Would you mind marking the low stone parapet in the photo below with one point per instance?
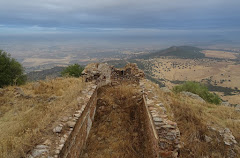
(165, 133)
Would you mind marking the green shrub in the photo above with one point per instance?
(11, 71)
(199, 89)
(74, 70)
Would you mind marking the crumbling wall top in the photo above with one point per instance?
(94, 71)
(134, 70)
(103, 71)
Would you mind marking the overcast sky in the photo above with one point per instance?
(137, 16)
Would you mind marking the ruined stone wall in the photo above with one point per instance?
(76, 140)
(150, 129)
(163, 135)
(129, 73)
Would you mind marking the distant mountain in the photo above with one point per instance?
(42, 75)
(177, 51)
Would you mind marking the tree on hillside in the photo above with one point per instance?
(11, 71)
(74, 70)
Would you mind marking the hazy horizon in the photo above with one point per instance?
(30, 29)
(216, 19)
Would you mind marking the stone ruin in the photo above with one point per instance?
(97, 72)
(162, 135)
(165, 135)
(103, 72)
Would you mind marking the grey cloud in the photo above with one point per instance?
(124, 13)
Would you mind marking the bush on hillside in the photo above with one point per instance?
(11, 71)
(74, 70)
(198, 89)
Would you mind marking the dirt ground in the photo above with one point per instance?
(117, 130)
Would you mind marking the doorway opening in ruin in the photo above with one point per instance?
(118, 128)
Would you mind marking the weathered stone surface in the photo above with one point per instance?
(168, 126)
(71, 124)
(65, 119)
(208, 139)
(194, 96)
(57, 129)
(167, 131)
(77, 115)
(157, 119)
(47, 142)
(228, 138)
(97, 71)
(41, 147)
(38, 151)
(225, 104)
(135, 71)
(237, 108)
(160, 104)
(165, 90)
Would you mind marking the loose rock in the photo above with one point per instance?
(165, 90)
(57, 129)
(71, 124)
(208, 139)
(194, 96)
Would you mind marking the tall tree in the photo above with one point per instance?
(11, 71)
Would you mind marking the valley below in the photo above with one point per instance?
(221, 76)
(218, 69)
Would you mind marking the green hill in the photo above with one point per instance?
(177, 51)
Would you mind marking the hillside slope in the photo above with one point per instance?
(44, 74)
(30, 112)
(207, 130)
(177, 51)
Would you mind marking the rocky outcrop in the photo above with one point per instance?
(228, 140)
(165, 90)
(228, 137)
(194, 96)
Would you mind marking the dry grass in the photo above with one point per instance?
(116, 130)
(24, 120)
(193, 120)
